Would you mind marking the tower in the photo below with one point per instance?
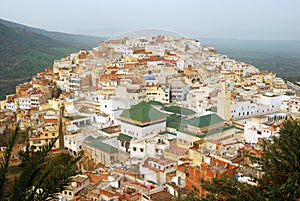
(224, 102)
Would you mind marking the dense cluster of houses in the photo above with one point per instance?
(153, 116)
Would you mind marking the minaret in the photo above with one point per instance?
(224, 102)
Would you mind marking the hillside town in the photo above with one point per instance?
(152, 116)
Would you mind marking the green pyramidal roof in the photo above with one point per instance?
(142, 112)
(206, 120)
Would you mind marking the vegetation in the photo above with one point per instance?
(40, 176)
(24, 51)
(281, 57)
(280, 165)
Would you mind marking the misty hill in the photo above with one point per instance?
(24, 51)
(281, 57)
(72, 40)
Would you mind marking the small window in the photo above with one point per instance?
(141, 149)
(134, 148)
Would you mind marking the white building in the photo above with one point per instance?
(24, 103)
(142, 120)
(256, 128)
(178, 90)
(294, 105)
(139, 125)
(259, 104)
(153, 146)
(156, 170)
(73, 143)
(11, 106)
(80, 182)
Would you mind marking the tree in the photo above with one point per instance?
(281, 164)
(228, 188)
(41, 176)
(280, 167)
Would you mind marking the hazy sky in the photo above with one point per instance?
(247, 19)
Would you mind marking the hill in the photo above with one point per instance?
(24, 51)
(281, 57)
(71, 40)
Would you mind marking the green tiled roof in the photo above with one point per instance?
(204, 121)
(213, 109)
(178, 110)
(142, 112)
(96, 143)
(89, 138)
(124, 137)
(167, 132)
(211, 132)
(152, 102)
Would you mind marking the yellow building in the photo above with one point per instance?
(2, 104)
(46, 129)
(154, 93)
(195, 155)
(42, 136)
(55, 104)
(108, 90)
(278, 83)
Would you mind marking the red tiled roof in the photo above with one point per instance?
(178, 150)
(107, 193)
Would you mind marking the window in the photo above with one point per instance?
(134, 148)
(142, 149)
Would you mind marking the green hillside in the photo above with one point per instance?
(71, 40)
(24, 51)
